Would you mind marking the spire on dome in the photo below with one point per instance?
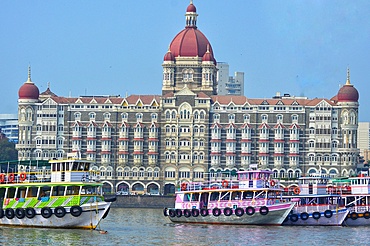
(29, 75)
(348, 82)
(191, 16)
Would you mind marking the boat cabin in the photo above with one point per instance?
(313, 185)
(360, 185)
(71, 171)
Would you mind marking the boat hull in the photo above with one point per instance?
(275, 216)
(361, 219)
(335, 218)
(91, 215)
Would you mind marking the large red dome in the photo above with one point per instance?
(28, 91)
(190, 42)
(348, 93)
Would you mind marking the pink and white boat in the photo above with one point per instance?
(249, 198)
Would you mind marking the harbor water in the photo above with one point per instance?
(130, 226)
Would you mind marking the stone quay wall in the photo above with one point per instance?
(137, 201)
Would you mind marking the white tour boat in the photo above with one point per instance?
(355, 192)
(315, 206)
(254, 198)
(65, 194)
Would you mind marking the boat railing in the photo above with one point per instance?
(210, 185)
(309, 208)
(359, 208)
(41, 176)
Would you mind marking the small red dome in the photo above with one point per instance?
(28, 91)
(168, 56)
(191, 8)
(208, 57)
(348, 93)
(190, 42)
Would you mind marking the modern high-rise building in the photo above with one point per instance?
(363, 139)
(9, 126)
(151, 143)
(229, 85)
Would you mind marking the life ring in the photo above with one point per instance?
(46, 212)
(272, 183)
(328, 213)
(11, 177)
(9, 213)
(187, 213)
(19, 213)
(304, 216)
(2, 178)
(264, 210)
(316, 215)
(225, 183)
(30, 213)
(367, 215)
(216, 212)
(23, 177)
(60, 212)
(171, 213)
(354, 216)
(296, 190)
(250, 210)
(184, 186)
(178, 213)
(294, 217)
(228, 211)
(239, 212)
(204, 212)
(76, 210)
(195, 212)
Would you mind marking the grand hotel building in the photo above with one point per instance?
(151, 143)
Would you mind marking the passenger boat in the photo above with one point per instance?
(315, 206)
(63, 194)
(355, 192)
(253, 198)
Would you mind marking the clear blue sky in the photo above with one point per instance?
(117, 47)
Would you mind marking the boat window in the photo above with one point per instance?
(58, 190)
(214, 196)
(45, 191)
(87, 190)
(225, 196)
(11, 193)
(75, 166)
(247, 194)
(21, 192)
(187, 197)
(73, 190)
(235, 195)
(195, 197)
(84, 166)
(32, 191)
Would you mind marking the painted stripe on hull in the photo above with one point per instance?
(274, 217)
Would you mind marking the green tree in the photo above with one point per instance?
(7, 150)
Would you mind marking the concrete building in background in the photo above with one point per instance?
(363, 139)
(9, 126)
(229, 85)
